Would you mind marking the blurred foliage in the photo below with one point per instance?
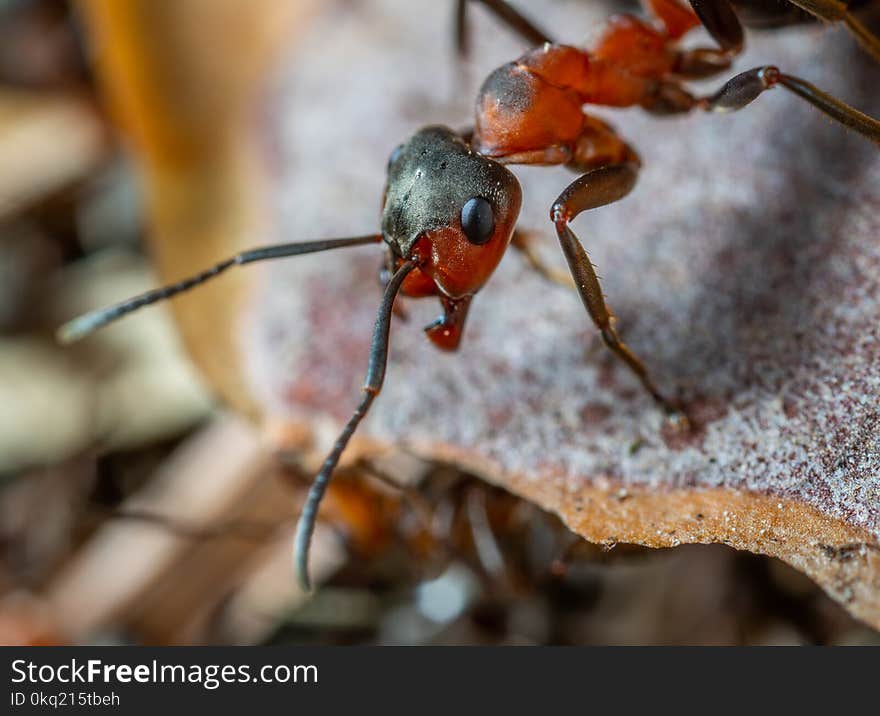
(92, 436)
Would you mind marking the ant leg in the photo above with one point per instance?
(461, 30)
(676, 17)
(721, 22)
(838, 11)
(83, 325)
(522, 242)
(505, 12)
(372, 385)
(723, 25)
(746, 87)
(594, 189)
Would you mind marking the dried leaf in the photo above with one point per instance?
(745, 268)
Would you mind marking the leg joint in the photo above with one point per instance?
(560, 214)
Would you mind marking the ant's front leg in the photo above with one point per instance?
(597, 188)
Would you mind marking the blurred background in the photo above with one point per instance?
(138, 502)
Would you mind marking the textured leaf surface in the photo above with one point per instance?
(745, 268)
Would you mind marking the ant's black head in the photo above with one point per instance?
(450, 208)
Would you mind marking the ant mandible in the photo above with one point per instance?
(450, 204)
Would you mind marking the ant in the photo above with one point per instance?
(723, 19)
(451, 205)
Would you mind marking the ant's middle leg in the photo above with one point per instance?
(597, 188)
(649, 49)
(721, 22)
(747, 86)
(723, 25)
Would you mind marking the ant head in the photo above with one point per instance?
(449, 209)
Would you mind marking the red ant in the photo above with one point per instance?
(723, 19)
(451, 205)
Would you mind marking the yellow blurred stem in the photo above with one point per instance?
(183, 79)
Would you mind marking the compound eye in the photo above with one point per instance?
(395, 155)
(477, 220)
